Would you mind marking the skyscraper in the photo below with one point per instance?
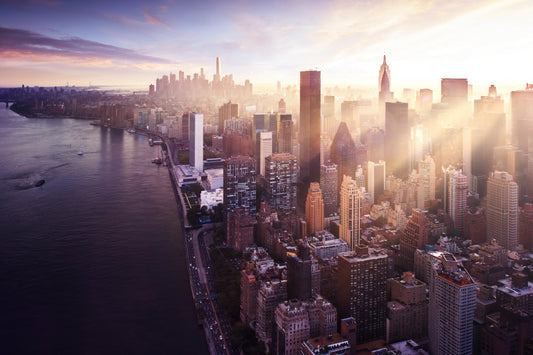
(226, 112)
(426, 172)
(397, 139)
(196, 151)
(452, 301)
(502, 209)
(362, 291)
(218, 73)
(314, 209)
(309, 127)
(264, 149)
(384, 80)
(329, 186)
(240, 183)
(343, 152)
(414, 236)
(351, 200)
(376, 179)
(285, 133)
(280, 177)
(526, 226)
(456, 188)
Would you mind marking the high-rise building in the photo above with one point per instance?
(502, 209)
(456, 189)
(397, 139)
(374, 139)
(452, 301)
(384, 81)
(376, 179)
(351, 201)
(475, 225)
(297, 321)
(526, 226)
(521, 117)
(196, 150)
(270, 294)
(407, 311)
(424, 101)
(487, 132)
(309, 126)
(362, 291)
(314, 209)
(218, 74)
(343, 152)
(329, 186)
(454, 91)
(325, 147)
(240, 183)
(426, 173)
(281, 180)
(285, 135)
(292, 327)
(226, 112)
(264, 149)
(414, 236)
(299, 267)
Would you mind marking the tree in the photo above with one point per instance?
(380, 221)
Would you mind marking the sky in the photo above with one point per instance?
(55, 42)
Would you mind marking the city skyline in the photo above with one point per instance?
(52, 43)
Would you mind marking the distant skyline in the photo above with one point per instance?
(52, 42)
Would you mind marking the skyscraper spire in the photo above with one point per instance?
(218, 68)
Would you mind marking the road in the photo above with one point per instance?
(202, 276)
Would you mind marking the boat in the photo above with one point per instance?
(80, 153)
(39, 183)
(158, 160)
(132, 131)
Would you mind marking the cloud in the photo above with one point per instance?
(17, 44)
(154, 21)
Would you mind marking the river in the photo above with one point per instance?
(93, 261)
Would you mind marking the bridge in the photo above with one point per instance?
(7, 101)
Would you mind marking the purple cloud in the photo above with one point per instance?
(23, 42)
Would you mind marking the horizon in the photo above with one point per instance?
(49, 42)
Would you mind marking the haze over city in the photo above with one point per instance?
(54, 42)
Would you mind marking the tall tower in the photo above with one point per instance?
(376, 179)
(196, 150)
(330, 188)
(502, 210)
(309, 127)
(397, 139)
(351, 209)
(362, 291)
(314, 209)
(426, 171)
(414, 236)
(264, 142)
(456, 194)
(218, 77)
(240, 183)
(526, 226)
(280, 177)
(343, 152)
(384, 81)
(452, 301)
(226, 112)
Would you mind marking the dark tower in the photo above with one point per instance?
(343, 152)
(309, 128)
